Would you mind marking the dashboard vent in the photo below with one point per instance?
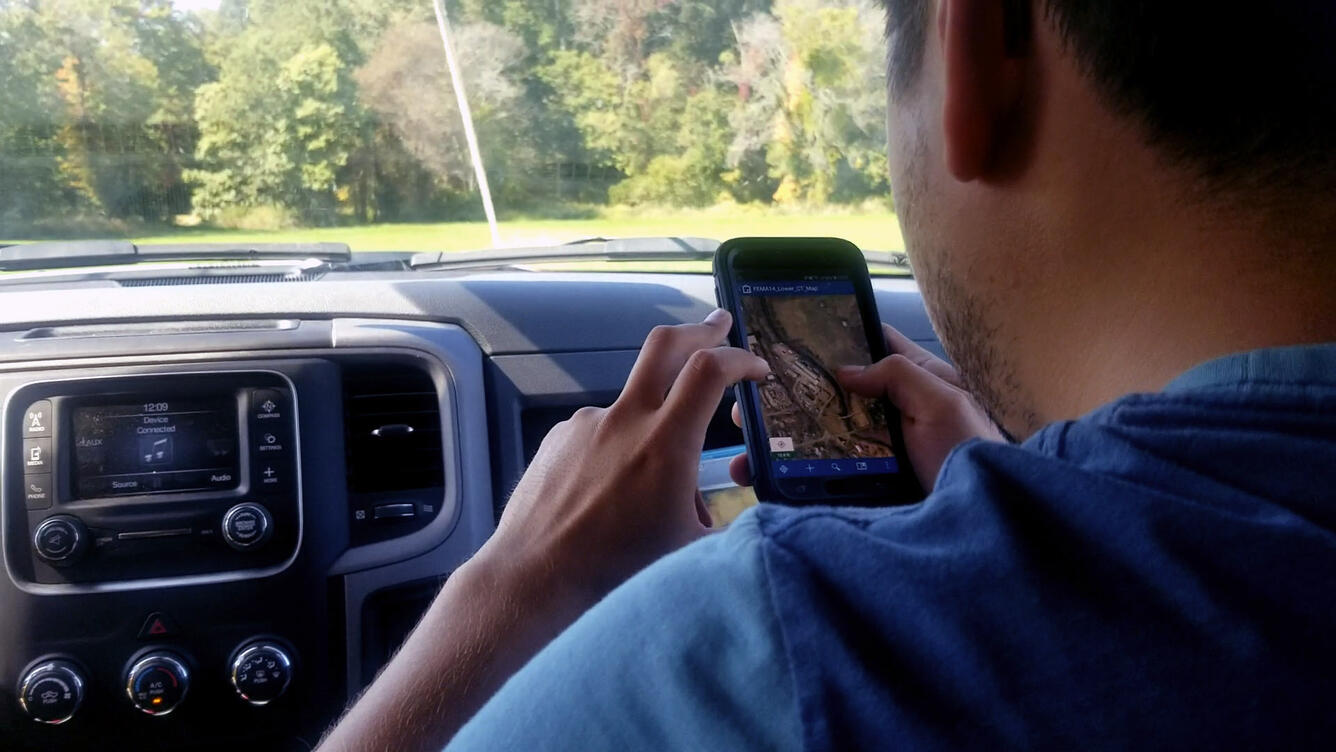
(220, 279)
(392, 427)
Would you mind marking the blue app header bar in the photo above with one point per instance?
(834, 467)
(819, 287)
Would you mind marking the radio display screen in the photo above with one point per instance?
(156, 446)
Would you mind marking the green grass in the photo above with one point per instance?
(872, 231)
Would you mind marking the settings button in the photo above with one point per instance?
(271, 442)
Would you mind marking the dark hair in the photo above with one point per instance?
(1245, 93)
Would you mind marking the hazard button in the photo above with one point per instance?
(157, 626)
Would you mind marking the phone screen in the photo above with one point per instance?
(806, 327)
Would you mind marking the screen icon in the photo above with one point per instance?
(155, 450)
(860, 465)
(781, 444)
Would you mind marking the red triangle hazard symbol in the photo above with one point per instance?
(157, 627)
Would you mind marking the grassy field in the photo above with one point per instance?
(872, 231)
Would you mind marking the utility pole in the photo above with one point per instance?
(457, 81)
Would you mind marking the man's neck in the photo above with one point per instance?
(1165, 302)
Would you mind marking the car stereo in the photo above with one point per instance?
(115, 480)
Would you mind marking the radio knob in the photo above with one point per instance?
(60, 539)
(51, 691)
(247, 526)
(261, 672)
(157, 683)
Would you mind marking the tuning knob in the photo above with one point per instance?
(247, 526)
(51, 691)
(157, 683)
(261, 672)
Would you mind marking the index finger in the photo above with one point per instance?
(699, 387)
(664, 352)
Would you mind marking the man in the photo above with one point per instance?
(1121, 214)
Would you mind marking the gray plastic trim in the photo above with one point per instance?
(463, 430)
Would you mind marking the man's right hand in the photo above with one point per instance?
(936, 413)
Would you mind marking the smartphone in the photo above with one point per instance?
(806, 305)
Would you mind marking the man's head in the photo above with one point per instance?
(1041, 150)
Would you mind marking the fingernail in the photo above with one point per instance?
(716, 316)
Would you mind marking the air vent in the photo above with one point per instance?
(392, 427)
(220, 279)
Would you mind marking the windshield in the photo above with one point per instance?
(430, 126)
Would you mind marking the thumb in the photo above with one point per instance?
(911, 388)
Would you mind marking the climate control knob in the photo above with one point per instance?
(60, 539)
(247, 526)
(51, 691)
(261, 672)
(157, 683)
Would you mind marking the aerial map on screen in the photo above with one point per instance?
(805, 335)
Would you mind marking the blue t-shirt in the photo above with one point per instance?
(1160, 573)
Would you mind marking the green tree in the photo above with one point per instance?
(29, 152)
(114, 81)
(278, 141)
(814, 79)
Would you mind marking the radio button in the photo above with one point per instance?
(37, 420)
(36, 456)
(37, 491)
(246, 526)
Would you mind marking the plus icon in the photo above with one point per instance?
(269, 472)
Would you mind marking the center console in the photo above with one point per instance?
(210, 550)
(144, 481)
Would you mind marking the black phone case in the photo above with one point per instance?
(905, 487)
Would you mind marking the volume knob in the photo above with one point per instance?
(60, 539)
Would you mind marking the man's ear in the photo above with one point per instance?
(984, 49)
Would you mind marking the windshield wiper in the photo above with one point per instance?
(605, 249)
(71, 254)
